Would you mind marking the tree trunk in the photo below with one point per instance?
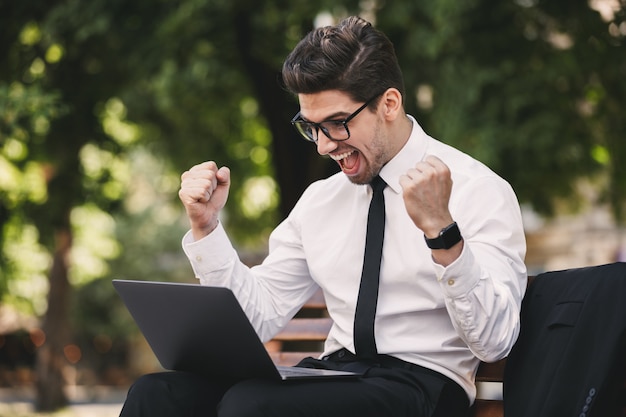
(51, 361)
(296, 161)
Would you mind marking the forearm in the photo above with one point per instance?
(484, 303)
(266, 301)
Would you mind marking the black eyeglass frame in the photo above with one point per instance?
(300, 124)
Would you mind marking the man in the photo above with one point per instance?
(451, 277)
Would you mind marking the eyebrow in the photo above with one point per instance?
(332, 117)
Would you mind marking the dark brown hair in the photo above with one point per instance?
(352, 57)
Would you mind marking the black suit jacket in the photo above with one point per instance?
(569, 358)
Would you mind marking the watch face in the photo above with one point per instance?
(448, 237)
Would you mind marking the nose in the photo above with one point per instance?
(324, 145)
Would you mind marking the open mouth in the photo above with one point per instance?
(348, 161)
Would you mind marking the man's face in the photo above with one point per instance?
(366, 151)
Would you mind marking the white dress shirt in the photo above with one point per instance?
(445, 319)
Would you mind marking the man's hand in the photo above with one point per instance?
(203, 192)
(427, 189)
(426, 192)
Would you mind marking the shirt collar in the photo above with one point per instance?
(411, 153)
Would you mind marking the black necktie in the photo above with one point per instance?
(364, 342)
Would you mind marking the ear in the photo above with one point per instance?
(391, 104)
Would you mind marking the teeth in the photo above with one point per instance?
(340, 156)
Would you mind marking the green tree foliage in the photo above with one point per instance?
(63, 50)
(532, 88)
(25, 115)
(216, 94)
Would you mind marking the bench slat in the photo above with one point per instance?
(487, 408)
(291, 358)
(491, 372)
(305, 329)
(316, 302)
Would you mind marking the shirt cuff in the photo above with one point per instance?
(209, 254)
(458, 278)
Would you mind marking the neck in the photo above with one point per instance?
(400, 133)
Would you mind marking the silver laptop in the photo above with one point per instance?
(202, 329)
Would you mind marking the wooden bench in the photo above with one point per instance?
(305, 334)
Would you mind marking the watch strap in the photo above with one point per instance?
(448, 237)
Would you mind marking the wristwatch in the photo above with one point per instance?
(448, 237)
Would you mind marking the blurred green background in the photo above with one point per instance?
(104, 103)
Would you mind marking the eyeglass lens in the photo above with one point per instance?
(334, 130)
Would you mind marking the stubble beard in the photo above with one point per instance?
(379, 153)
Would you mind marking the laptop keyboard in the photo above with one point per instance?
(291, 370)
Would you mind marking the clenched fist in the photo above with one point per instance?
(426, 192)
(203, 192)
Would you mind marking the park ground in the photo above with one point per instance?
(96, 401)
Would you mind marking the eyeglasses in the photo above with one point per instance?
(336, 130)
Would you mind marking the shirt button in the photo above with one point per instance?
(451, 282)
(198, 258)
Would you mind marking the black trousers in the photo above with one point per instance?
(389, 388)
